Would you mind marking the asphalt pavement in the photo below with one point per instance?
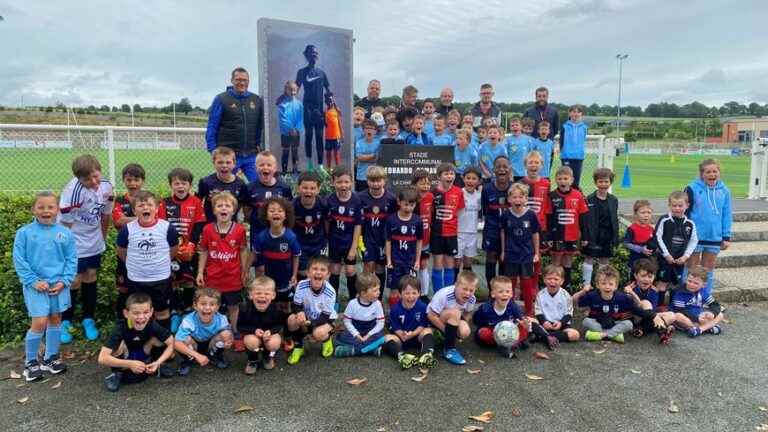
(717, 383)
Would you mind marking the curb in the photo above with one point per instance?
(738, 295)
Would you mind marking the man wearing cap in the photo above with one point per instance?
(236, 120)
(315, 84)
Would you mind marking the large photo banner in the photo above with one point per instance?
(317, 61)
(400, 161)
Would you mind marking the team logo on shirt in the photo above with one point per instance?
(341, 209)
(502, 200)
(60, 237)
(574, 202)
(526, 224)
(233, 106)
(283, 247)
(606, 308)
(253, 105)
(308, 219)
(404, 229)
(232, 243)
(146, 245)
(268, 194)
(376, 210)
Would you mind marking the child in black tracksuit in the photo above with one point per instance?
(600, 234)
(676, 238)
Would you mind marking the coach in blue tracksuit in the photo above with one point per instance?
(236, 120)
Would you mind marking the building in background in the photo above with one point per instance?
(744, 129)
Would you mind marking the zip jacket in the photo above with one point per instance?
(711, 210)
(290, 114)
(573, 140)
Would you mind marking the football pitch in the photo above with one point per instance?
(653, 176)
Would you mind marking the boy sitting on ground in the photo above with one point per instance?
(694, 312)
(449, 312)
(409, 328)
(500, 307)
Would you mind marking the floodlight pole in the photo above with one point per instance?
(620, 59)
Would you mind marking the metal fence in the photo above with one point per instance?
(38, 157)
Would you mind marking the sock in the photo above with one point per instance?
(586, 269)
(337, 158)
(567, 282)
(662, 298)
(252, 355)
(69, 314)
(437, 279)
(352, 286)
(710, 284)
(298, 338)
(285, 160)
(391, 348)
(490, 272)
(424, 280)
(382, 283)
(165, 323)
(52, 340)
(449, 276)
(32, 344)
(528, 293)
(428, 343)
(450, 336)
(539, 331)
(335, 282)
(88, 294)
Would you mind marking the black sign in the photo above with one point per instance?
(400, 161)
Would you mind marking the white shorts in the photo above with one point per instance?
(467, 245)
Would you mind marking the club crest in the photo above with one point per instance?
(283, 247)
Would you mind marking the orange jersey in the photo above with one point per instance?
(333, 124)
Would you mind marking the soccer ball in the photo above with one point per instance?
(506, 334)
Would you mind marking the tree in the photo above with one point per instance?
(104, 108)
(184, 106)
(136, 108)
(125, 108)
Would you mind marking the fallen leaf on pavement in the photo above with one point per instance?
(762, 428)
(472, 428)
(473, 371)
(419, 378)
(20, 385)
(357, 381)
(15, 375)
(484, 417)
(68, 355)
(381, 429)
(599, 351)
(244, 408)
(45, 381)
(423, 371)
(533, 377)
(673, 408)
(481, 361)
(541, 355)
(57, 385)
(635, 371)
(762, 408)
(516, 412)
(23, 400)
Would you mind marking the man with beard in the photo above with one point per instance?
(486, 107)
(543, 111)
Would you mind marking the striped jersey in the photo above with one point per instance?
(83, 209)
(315, 303)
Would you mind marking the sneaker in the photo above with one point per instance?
(619, 338)
(250, 367)
(287, 345)
(407, 360)
(377, 351)
(66, 336)
(593, 336)
(454, 356)
(54, 365)
(327, 349)
(112, 381)
(165, 371)
(218, 359)
(665, 337)
(638, 332)
(91, 332)
(269, 363)
(295, 356)
(552, 342)
(694, 331)
(32, 371)
(427, 360)
(185, 367)
(343, 351)
(175, 322)
(716, 330)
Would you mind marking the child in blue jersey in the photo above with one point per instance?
(277, 250)
(500, 307)
(573, 142)
(493, 204)
(440, 136)
(528, 124)
(453, 122)
(45, 259)
(644, 293)
(268, 185)
(223, 179)
(428, 111)
(204, 334)
(310, 212)
(290, 116)
(344, 225)
(450, 310)
(545, 147)
(464, 155)
(363, 321)
(710, 208)
(378, 204)
(409, 328)
(517, 148)
(313, 310)
(358, 116)
(695, 311)
(403, 233)
(490, 151)
(417, 135)
(366, 153)
(138, 346)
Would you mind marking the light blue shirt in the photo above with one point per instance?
(44, 253)
(444, 139)
(488, 154)
(362, 147)
(517, 148)
(192, 326)
(464, 159)
(545, 148)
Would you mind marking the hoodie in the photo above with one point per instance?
(290, 114)
(711, 210)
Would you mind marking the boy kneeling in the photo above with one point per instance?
(449, 312)
(138, 346)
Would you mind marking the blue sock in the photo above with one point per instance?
(437, 279)
(449, 277)
(32, 344)
(52, 340)
(707, 291)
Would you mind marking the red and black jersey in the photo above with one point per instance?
(445, 211)
(538, 199)
(424, 211)
(122, 208)
(222, 269)
(182, 214)
(566, 215)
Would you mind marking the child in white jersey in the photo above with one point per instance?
(468, 220)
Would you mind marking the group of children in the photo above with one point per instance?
(185, 261)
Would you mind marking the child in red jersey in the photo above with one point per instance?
(424, 210)
(185, 212)
(538, 202)
(639, 238)
(448, 202)
(566, 217)
(224, 262)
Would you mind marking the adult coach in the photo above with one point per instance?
(541, 111)
(316, 87)
(236, 120)
(446, 101)
(372, 100)
(486, 107)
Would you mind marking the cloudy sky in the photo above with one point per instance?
(98, 52)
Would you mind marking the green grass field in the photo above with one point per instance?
(653, 176)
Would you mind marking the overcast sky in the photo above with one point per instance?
(151, 53)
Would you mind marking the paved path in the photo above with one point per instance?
(718, 383)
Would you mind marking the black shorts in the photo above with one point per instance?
(669, 273)
(412, 344)
(560, 247)
(332, 145)
(183, 271)
(160, 292)
(339, 255)
(289, 141)
(306, 255)
(284, 296)
(439, 245)
(232, 298)
(523, 270)
(597, 250)
(87, 263)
